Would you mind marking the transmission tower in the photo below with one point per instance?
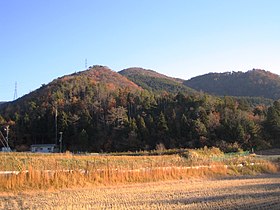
(86, 63)
(15, 93)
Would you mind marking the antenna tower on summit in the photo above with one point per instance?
(86, 63)
(15, 93)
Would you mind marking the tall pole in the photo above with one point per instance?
(60, 142)
(6, 140)
(7, 129)
(55, 125)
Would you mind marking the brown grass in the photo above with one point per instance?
(36, 179)
(239, 192)
(56, 171)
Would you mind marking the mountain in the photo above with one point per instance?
(66, 91)
(80, 85)
(153, 81)
(101, 110)
(89, 100)
(253, 83)
(103, 75)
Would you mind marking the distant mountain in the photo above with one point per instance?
(81, 83)
(67, 90)
(103, 75)
(154, 81)
(254, 83)
(83, 100)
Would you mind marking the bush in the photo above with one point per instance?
(229, 147)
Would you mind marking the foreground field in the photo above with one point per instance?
(26, 171)
(241, 192)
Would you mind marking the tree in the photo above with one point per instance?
(200, 133)
(272, 123)
(83, 140)
(162, 131)
(117, 116)
(142, 129)
(184, 126)
(162, 124)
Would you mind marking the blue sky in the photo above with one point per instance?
(41, 40)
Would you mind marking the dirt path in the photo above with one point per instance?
(258, 192)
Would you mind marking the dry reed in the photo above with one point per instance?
(68, 171)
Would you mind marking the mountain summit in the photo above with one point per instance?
(154, 81)
(104, 75)
(253, 83)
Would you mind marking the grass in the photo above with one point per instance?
(238, 192)
(57, 171)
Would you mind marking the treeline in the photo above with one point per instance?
(95, 118)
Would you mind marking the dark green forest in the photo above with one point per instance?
(99, 110)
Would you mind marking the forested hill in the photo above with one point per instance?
(101, 110)
(105, 76)
(254, 83)
(76, 97)
(154, 81)
(79, 85)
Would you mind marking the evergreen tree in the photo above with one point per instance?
(272, 123)
(162, 124)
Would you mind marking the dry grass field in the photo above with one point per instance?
(26, 171)
(190, 179)
(237, 192)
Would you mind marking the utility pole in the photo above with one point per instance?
(60, 142)
(5, 143)
(55, 122)
(7, 136)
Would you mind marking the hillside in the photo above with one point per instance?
(100, 110)
(154, 81)
(254, 83)
(103, 75)
(77, 97)
(79, 85)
